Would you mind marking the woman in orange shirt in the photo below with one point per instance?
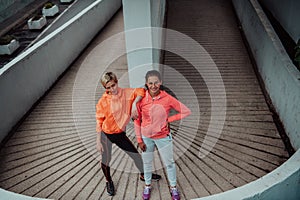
(113, 112)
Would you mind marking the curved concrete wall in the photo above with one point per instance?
(25, 79)
(280, 76)
(76, 7)
(14, 196)
(282, 183)
(282, 82)
(287, 13)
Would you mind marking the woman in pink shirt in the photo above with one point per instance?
(152, 129)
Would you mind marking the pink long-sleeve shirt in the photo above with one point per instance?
(154, 115)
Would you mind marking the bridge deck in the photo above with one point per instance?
(51, 156)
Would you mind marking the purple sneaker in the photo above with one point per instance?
(146, 193)
(175, 193)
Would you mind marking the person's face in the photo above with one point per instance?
(153, 84)
(112, 87)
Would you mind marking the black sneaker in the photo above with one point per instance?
(155, 177)
(110, 188)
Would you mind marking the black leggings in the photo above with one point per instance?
(123, 142)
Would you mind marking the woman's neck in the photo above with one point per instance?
(154, 95)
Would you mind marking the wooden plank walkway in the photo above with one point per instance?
(51, 156)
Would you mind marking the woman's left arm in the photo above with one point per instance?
(182, 110)
(134, 112)
(139, 93)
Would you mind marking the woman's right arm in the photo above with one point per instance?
(137, 128)
(99, 146)
(99, 121)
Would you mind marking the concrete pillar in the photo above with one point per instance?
(137, 14)
(138, 20)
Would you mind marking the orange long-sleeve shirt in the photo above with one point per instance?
(113, 111)
(154, 115)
